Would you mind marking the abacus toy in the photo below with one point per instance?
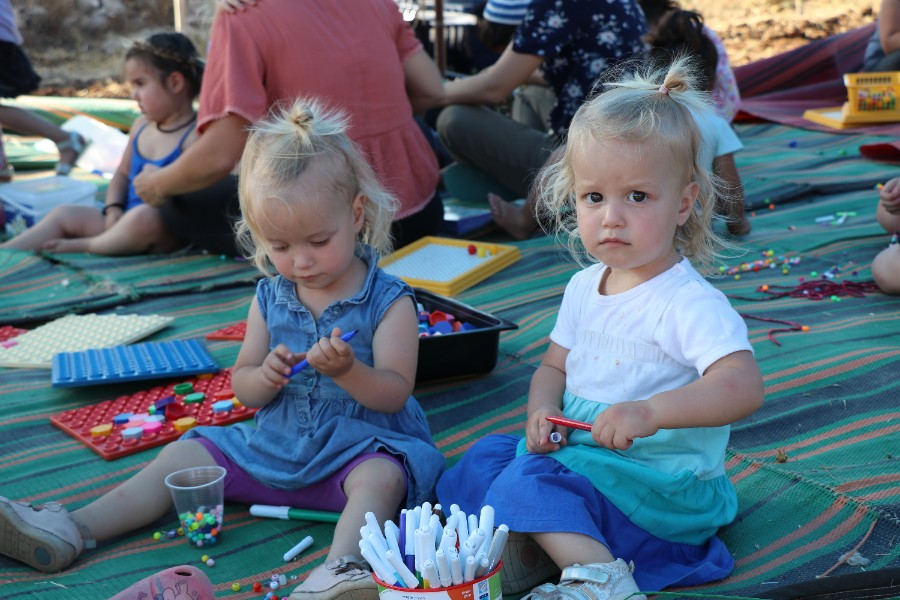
(147, 419)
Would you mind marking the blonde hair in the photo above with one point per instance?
(651, 103)
(282, 147)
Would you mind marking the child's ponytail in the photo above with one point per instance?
(281, 148)
(651, 102)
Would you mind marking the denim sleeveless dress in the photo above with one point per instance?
(313, 427)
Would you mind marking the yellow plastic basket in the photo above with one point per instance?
(873, 96)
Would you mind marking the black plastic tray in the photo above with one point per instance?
(463, 353)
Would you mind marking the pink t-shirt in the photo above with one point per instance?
(725, 93)
(352, 59)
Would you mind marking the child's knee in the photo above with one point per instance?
(886, 270)
(382, 476)
(182, 454)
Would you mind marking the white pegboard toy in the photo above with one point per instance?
(448, 266)
(74, 333)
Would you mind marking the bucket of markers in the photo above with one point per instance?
(486, 587)
(199, 496)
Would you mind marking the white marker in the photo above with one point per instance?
(296, 550)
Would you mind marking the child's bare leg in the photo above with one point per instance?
(61, 222)
(144, 498)
(604, 577)
(517, 221)
(139, 231)
(377, 486)
(566, 549)
(886, 270)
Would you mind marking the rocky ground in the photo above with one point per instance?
(77, 45)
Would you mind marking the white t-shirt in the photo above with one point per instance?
(658, 336)
(718, 138)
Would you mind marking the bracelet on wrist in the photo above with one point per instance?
(119, 205)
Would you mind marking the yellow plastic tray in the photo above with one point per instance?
(445, 266)
(838, 117)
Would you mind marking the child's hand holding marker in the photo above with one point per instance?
(423, 552)
(556, 437)
(539, 430)
(331, 356)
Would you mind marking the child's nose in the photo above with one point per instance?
(302, 259)
(612, 215)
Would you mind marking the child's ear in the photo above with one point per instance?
(688, 197)
(176, 82)
(358, 208)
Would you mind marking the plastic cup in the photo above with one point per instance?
(199, 494)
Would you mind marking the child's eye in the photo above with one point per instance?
(319, 242)
(593, 197)
(278, 248)
(637, 197)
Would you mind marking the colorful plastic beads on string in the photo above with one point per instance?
(769, 261)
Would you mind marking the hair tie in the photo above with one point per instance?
(663, 89)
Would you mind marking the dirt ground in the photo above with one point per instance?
(82, 57)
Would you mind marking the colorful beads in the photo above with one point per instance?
(235, 587)
(202, 526)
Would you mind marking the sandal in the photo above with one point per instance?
(598, 581)
(75, 143)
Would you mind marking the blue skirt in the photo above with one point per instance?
(534, 493)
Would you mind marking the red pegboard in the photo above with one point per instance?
(7, 332)
(232, 332)
(78, 422)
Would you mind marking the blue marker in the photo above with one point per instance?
(305, 363)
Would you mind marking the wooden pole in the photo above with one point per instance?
(179, 7)
(440, 50)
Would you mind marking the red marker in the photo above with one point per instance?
(570, 423)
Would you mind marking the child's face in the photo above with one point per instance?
(311, 239)
(630, 199)
(147, 88)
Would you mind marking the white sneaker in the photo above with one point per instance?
(597, 581)
(46, 539)
(346, 578)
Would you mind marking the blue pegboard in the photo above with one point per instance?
(151, 360)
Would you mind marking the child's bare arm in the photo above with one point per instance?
(730, 389)
(258, 374)
(117, 192)
(386, 386)
(545, 399)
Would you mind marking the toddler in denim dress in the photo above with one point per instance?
(343, 433)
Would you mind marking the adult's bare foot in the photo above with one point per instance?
(512, 218)
(63, 246)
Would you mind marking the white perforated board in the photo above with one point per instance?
(75, 333)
